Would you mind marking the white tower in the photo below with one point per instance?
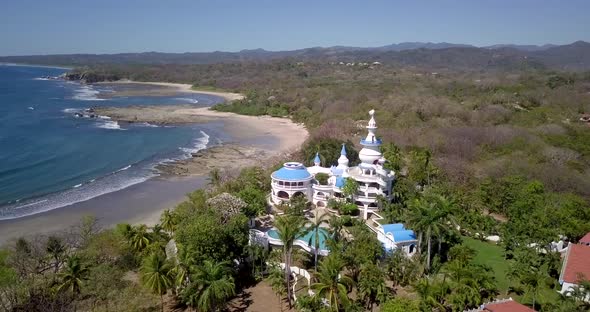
(343, 160)
(370, 153)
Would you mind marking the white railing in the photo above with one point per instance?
(289, 187)
(301, 272)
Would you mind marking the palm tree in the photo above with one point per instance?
(422, 219)
(56, 249)
(156, 275)
(289, 228)
(211, 286)
(258, 254)
(73, 276)
(277, 282)
(336, 225)
(215, 177)
(371, 285)
(430, 217)
(331, 284)
(430, 294)
(180, 270)
(318, 233)
(534, 280)
(140, 238)
(350, 189)
(168, 221)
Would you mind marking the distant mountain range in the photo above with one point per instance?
(575, 56)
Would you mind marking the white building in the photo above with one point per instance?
(373, 179)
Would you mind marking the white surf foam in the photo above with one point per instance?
(30, 204)
(72, 110)
(73, 195)
(124, 168)
(146, 124)
(200, 144)
(86, 93)
(77, 185)
(110, 125)
(41, 78)
(188, 100)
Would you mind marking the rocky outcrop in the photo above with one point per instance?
(87, 76)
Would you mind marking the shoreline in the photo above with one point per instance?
(35, 65)
(181, 87)
(255, 140)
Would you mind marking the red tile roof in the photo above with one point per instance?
(507, 306)
(577, 261)
(585, 239)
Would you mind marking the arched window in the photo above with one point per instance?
(283, 194)
(298, 194)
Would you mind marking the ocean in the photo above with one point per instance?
(49, 158)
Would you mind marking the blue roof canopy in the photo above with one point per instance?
(402, 236)
(340, 181)
(390, 228)
(292, 172)
(399, 232)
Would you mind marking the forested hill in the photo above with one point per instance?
(575, 56)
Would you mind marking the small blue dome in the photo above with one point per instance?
(317, 160)
(340, 182)
(292, 171)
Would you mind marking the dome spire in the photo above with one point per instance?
(317, 161)
(343, 160)
(370, 152)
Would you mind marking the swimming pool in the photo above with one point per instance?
(323, 235)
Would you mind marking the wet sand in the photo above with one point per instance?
(139, 203)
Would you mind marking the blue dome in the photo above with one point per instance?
(340, 182)
(317, 160)
(292, 171)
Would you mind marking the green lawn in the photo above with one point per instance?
(492, 256)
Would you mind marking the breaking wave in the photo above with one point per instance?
(200, 144)
(188, 100)
(86, 93)
(109, 124)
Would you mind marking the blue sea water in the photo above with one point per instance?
(50, 159)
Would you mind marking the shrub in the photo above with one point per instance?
(322, 178)
(349, 209)
(346, 220)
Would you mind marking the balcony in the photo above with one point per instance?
(375, 142)
(296, 187)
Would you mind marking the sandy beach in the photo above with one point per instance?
(173, 87)
(255, 141)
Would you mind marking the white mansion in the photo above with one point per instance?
(373, 179)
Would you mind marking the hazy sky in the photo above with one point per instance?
(112, 26)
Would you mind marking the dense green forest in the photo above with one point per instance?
(477, 153)
(477, 124)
